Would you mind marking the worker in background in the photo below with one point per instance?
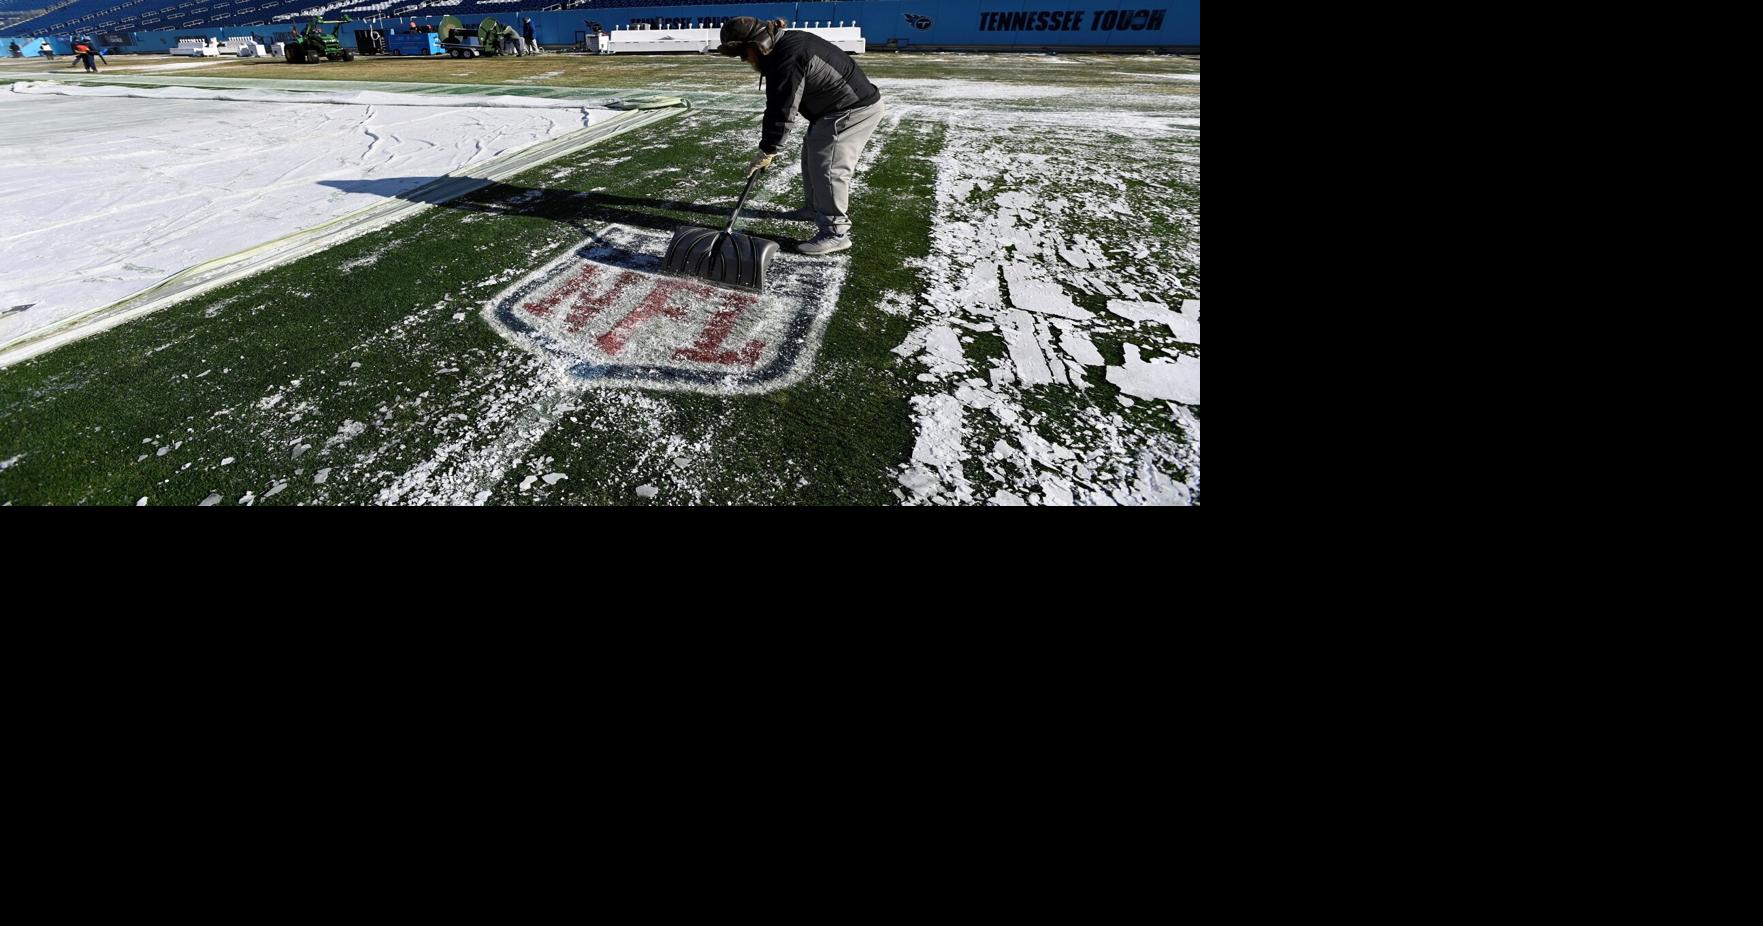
(526, 30)
(84, 54)
(13, 47)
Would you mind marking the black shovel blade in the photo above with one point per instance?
(723, 258)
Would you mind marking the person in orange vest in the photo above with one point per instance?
(82, 52)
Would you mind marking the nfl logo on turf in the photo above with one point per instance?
(606, 315)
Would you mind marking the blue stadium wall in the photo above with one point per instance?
(1097, 25)
(1123, 25)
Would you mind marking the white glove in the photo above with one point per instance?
(760, 162)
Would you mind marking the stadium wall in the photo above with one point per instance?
(1071, 25)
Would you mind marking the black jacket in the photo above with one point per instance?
(809, 75)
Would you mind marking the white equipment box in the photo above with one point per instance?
(197, 48)
(644, 40)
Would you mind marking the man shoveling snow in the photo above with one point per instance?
(806, 74)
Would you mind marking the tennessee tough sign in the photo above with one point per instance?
(606, 315)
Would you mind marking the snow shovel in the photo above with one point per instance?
(727, 257)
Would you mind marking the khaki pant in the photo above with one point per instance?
(829, 158)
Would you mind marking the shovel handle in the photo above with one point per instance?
(744, 191)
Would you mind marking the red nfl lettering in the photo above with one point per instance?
(655, 303)
(704, 350)
(601, 314)
(588, 305)
(542, 307)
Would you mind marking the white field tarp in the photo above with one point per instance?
(106, 191)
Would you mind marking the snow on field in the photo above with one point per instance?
(252, 95)
(1006, 264)
(1130, 75)
(176, 66)
(487, 428)
(109, 190)
(972, 89)
(1054, 351)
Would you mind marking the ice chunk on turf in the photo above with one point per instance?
(1041, 296)
(939, 431)
(1185, 325)
(1158, 379)
(1081, 349)
(942, 348)
(981, 288)
(1018, 328)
